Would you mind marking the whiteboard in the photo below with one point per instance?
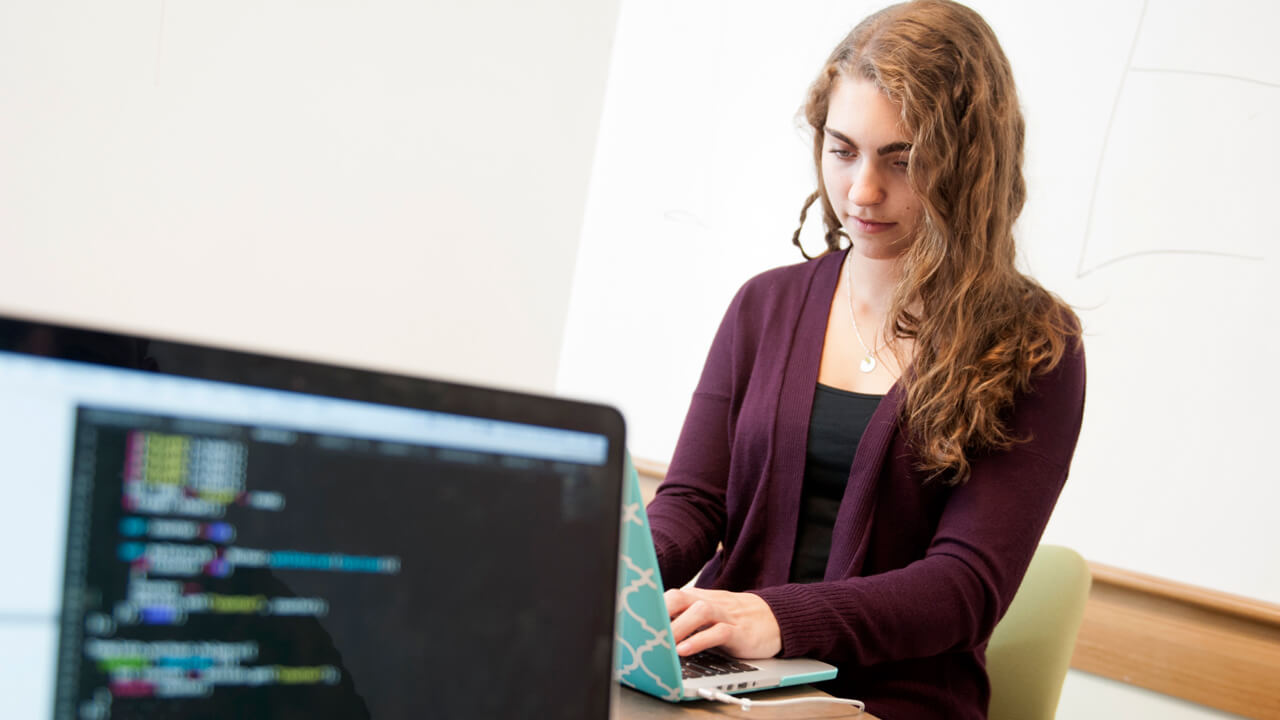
(1151, 163)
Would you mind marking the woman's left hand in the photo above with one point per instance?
(741, 623)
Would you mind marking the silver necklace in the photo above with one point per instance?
(868, 363)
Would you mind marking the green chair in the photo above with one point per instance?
(1030, 649)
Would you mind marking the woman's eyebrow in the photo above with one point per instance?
(901, 146)
(839, 136)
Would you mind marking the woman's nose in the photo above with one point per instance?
(866, 189)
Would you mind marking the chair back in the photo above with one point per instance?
(1030, 649)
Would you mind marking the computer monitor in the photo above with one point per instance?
(197, 532)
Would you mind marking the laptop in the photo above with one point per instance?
(195, 532)
(646, 659)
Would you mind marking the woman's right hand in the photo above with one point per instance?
(741, 623)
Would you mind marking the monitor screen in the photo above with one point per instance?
(192, 532)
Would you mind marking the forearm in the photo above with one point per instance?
(927, 609)
(687, 515)
(683, 537)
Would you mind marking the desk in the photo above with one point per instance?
(634, 705)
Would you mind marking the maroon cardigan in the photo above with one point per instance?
(919, 573)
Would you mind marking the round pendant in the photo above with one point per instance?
(868, 364)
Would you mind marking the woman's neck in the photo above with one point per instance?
(874, 281)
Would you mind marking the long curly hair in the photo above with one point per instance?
(983, 329)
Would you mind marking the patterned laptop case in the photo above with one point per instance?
(645, 658)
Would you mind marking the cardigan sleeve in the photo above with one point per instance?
(951, 599)
(687, 515)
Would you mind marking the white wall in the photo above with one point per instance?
(396, 184)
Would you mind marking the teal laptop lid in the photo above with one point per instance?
(645, 658)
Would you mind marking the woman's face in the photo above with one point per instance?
(864, 168)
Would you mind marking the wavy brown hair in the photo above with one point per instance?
(982, 329)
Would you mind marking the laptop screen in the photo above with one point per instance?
(199, 539)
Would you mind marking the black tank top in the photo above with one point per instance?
(839, 418)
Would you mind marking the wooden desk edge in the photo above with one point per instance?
(634, 705)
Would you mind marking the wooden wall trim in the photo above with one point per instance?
(650, 468)
(1212, 600)
(1201, 645)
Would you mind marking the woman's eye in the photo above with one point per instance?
(841, 153)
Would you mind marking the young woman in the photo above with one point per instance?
(880, 434)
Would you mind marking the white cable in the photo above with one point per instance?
(747, 703)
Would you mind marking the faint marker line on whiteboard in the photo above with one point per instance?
(1211, 253)
(1205, 73)
(1106, 141)
(160, 41)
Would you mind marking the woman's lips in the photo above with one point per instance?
(870, 226)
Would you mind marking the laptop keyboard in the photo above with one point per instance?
(707, 664)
